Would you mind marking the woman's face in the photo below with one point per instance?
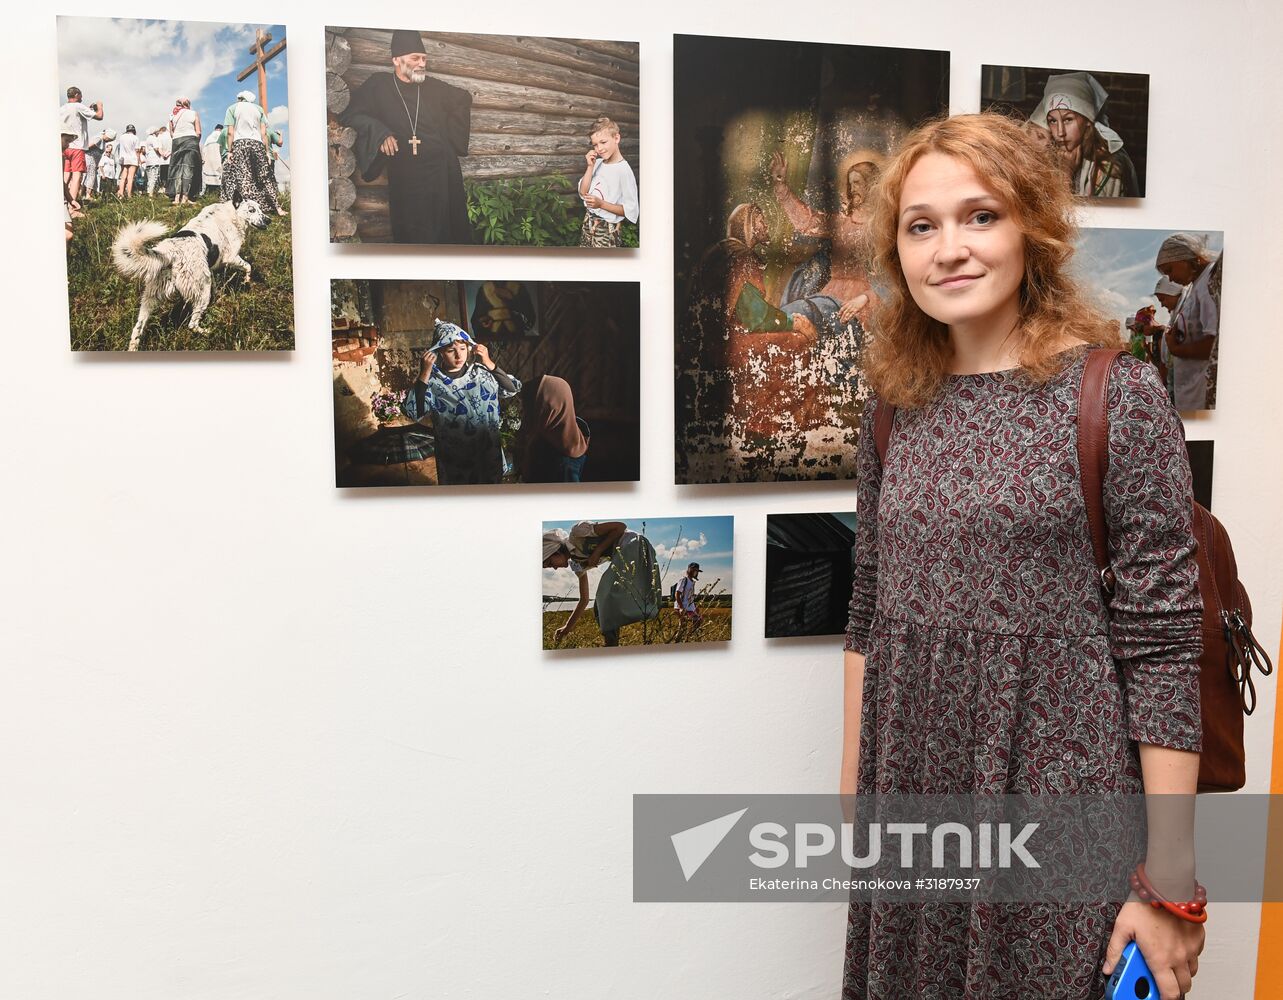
(558, 560)
(961, 251)
(1068, 131)
(1183, 272)
(454, 356)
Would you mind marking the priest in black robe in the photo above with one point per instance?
(415, 128)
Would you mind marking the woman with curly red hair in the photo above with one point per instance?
(983, 657)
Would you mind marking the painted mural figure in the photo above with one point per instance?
(415, 128)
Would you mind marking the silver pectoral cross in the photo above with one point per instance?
(414, 143)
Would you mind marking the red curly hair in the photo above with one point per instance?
(909, 353)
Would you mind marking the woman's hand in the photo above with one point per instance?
(1171, 946)
(562, 632)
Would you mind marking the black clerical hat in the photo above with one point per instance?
(405, 41)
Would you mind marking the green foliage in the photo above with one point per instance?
(104, 305)
(523, 211)
(529, 212)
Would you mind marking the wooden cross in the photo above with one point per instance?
(415, 141)
(261, 59)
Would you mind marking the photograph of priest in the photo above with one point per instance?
(415, 128)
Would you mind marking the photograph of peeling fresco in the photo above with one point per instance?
(450, 383)
(777, 145)
(808, 573)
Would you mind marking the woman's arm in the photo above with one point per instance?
(864, 596)
(852, 709)
(562, 632)
(1155, 636)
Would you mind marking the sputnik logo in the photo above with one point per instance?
(693, 846)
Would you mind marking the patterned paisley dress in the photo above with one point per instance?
(992, 663)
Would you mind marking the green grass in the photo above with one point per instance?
(716, 627)
(104, 305)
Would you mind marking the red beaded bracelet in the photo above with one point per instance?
(1195, 911)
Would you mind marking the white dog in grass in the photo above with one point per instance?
(182, 264)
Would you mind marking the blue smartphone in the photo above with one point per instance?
(1131, 978)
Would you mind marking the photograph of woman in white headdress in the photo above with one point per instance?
(1096, 122)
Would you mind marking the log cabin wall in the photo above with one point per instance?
(533, 101)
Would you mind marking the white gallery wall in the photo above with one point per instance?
(261, 738)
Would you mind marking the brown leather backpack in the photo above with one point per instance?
(1230, 651)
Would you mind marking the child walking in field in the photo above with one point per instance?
(608, 189)
(460, 398)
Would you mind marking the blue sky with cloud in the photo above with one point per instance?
(137, 69)
(1118, 266)
(678, 542)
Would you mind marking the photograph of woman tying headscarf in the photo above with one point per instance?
(1096, 122)
(447, 383)
(648, 580)
(779, 146)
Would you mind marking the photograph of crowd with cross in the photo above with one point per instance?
(175, 183)
(643, 581)
(452, 383)
(447, 138)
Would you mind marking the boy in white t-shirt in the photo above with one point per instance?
(608, 188)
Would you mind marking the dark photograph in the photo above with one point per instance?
(808, 573)
(448, 383)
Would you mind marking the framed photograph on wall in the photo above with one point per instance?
(777, 145)
(808, 573)
(452, 383)
(1097, 122)
(499, 140)
(176, 185)
(1163, 286)
(637, 581)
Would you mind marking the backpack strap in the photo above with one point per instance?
(1093, 452)
(882, 423)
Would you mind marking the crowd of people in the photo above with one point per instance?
(178, 160)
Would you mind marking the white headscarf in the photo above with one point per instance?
(1083, 95)
(1166, 286)
(553, 540)
(1183, 246)
(246, 95)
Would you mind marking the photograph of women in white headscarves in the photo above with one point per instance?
(779, 144)
(1097, 122)
(1164, 288)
